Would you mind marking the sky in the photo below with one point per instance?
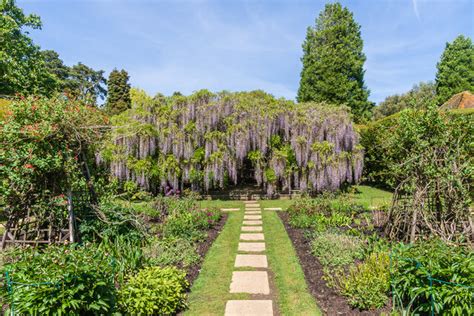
(185, 45)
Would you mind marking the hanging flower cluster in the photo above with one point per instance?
(204, 141)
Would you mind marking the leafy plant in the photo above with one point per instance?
(431, 274)
(367, 284)
(60, 280)
(178, 252)
(333, 249)
(154, 291)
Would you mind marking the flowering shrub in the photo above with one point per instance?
(43, 141)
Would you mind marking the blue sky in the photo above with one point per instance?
(180, 45)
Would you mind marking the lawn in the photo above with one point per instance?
(371, 197)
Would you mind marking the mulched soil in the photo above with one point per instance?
(202, 248)
(330, 302)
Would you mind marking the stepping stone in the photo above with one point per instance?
(252, 217)
(249, 308)
(252, 205)
(252, 212)
(252, 236)
(273, 209)
(253, 261)
(251, 246)
(253, 282)
(252, 228)
(251, 202)
(247, 222)
(253, 209)
(230, 209)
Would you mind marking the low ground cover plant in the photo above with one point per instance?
(335, 249)
(154, 291)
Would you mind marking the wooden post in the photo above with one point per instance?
(70, 216)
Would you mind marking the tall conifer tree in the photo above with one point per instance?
(118, 99)
(333, 62)
(455, 69)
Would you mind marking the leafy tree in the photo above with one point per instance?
(118, 99)
(86, 84)
(333, 62)
(55, 66)
(22, 68)
(455, 69)
(419, 97)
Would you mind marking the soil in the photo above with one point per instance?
(202, 248)
(328, 299)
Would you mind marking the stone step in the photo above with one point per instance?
(230, 209)
(252, 228)
(252, 217)
(252, 282)
(251, 246)
(251, 261)
(253, 212)
(249, 222)
(249, 308)
(252, 236)
(273, 209)
(252, 205)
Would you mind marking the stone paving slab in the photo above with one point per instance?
(252, 282)
(252, 236)
(249, 308)
(252, 228)
(253, 209)
(252, 217)
(230, 209)
(252, 212)
(251, 246)
(252, 205)
(273, 209)
(247, 222)
(253, 261)
(250, 202)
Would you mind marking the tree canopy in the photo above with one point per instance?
(455, 69)
(419, 97)
(118, 99)
(333, 62)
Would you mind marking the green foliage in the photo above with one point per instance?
(367, 284)
(86, 84)
(44, 141)
(61, 280)
(118, 99)
(333, 62)
(451, 269)
(419, 97)
(180, 252)
(455, 69)
(333, 249)
(154, 291)
(22, 67)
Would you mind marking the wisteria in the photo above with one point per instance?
(203, 141)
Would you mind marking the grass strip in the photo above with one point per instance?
(210, 291)
(293, 297)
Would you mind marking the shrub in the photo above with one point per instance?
(367, 284)
(154, 291)
(65, 280)
(334, 249)
(172, 252)
(445, 264)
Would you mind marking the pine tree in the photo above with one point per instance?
(118, 99)
(455, 69)
(333, 62)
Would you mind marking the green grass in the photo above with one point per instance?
(371, 197)
(276, 203)
(293, 297)
(210, 291)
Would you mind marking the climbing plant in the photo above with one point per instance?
(205, 139)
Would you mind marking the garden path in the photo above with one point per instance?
(250, 273)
